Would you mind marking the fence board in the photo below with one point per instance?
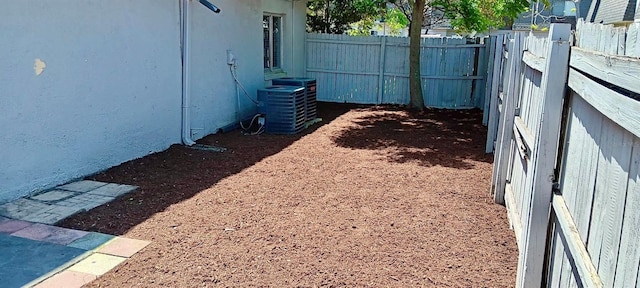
(625, 275)
(608, 203)
(620, 71)
(556, 261)
(571, 239)
(619, 108)
(513, 214)
(381, 62)
(533, 61)
(633, 41)
(490, 56)
(493, 96)
(525, 133)
(580, 161)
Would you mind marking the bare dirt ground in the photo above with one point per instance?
(372, 196)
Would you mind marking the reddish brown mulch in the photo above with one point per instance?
(370, 197)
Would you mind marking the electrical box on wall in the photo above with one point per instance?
(231, 58)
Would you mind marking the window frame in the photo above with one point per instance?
(272, 69)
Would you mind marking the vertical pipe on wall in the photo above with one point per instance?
(293, 34)
(186, 95)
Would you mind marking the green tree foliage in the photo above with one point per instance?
(362, 27)
(395, 19)
(466, 15)
(480, 15)
(392, 17)
(335, 16)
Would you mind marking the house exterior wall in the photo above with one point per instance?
(237, 28)
(87, 85)
(110, 90)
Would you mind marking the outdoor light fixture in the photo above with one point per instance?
(211, 7)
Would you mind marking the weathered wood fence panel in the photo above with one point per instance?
(586, 233)
(600, 167)
(374, 70)
(528, 141)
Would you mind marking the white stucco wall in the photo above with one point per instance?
(110, 90)
(87, 85)
(237, 28)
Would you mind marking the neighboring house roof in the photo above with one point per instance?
(583, 8)
(611, 11)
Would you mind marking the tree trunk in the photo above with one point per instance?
(415, 37)
(327, 15)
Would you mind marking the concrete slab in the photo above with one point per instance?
(27, 259)
(22, 207)
(54, 215)
(123, 247)
(67, 279)
(53, 195)
(53, 206)
(51, 234)
(91, 241)
(11, 226)
(86, 201)
(82, 186)
(113, 190)
(97, 264)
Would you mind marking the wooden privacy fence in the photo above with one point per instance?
(375, 70)
(567, 155)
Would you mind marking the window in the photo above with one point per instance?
(272, 32)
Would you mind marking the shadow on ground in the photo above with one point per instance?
(434, 137)
(179, 173)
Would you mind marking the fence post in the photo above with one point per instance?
(382, 59)
(530, 269)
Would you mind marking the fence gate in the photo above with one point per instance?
(527, 141)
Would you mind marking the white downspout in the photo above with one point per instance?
(293, 36)
(186, 76)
